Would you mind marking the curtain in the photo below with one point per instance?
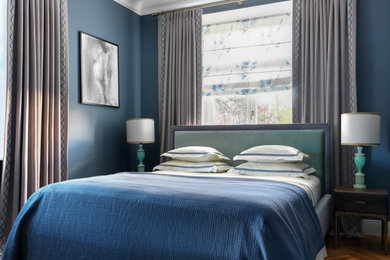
(324, 74)
(324, 71)
(37, 103)
(180, 70)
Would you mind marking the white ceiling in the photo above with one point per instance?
(248, 13)
(143, 7)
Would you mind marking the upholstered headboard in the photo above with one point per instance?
(312, 139)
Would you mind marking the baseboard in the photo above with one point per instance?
(372, 227)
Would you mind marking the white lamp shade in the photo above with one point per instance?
(360, 129)
(140, 130)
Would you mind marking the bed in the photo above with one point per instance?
(175, 215)
(313, 139)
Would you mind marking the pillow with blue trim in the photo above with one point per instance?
(295, 169)
(196, 154)
(271, 153)
(203, 167)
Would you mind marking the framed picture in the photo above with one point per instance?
(99, 62)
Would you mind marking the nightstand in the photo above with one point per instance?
(363, 202)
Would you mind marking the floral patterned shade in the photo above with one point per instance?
(247, 71)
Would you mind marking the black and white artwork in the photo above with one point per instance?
(99, 71)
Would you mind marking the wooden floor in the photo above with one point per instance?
(368, 248)
(350, 249)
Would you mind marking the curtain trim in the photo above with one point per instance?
(64, 88)
(351, 17)
(162, 39)
(297, 6)
(198, 38)
(9, 117)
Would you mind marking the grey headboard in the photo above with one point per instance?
(312, 139)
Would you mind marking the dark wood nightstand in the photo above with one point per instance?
(368, 203)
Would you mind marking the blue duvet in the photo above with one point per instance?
(156, 216)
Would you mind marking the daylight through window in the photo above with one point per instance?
(3, 58)
(247, 66)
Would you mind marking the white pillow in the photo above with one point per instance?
(271, 153)
(273, 169)
(182, 166)
(196, 154)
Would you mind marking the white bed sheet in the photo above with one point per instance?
(312, 185)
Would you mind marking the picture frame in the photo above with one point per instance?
(99, 71)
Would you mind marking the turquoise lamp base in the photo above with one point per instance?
(359, 181)
(360, 160)
(141, 157)
(141, 167)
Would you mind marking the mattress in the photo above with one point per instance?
(312, 185)
(324, 209)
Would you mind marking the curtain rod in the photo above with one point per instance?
(224, 2)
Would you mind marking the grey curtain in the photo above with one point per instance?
(324, 71)
(180, 65)
(37, 103)
(324, 48)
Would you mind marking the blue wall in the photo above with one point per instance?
(149, 83)
(97, 134)
(373, 82)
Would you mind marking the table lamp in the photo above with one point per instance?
(361, 129)
(140, 131)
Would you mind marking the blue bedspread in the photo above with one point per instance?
(150, 216)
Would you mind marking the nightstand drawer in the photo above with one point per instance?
(359, 203)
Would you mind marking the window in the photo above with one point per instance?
(3, 63)
(247, 55)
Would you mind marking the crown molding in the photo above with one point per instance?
(145, 7)
(131, 5)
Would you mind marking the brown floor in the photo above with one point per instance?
(368, 248)
(351, 249)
